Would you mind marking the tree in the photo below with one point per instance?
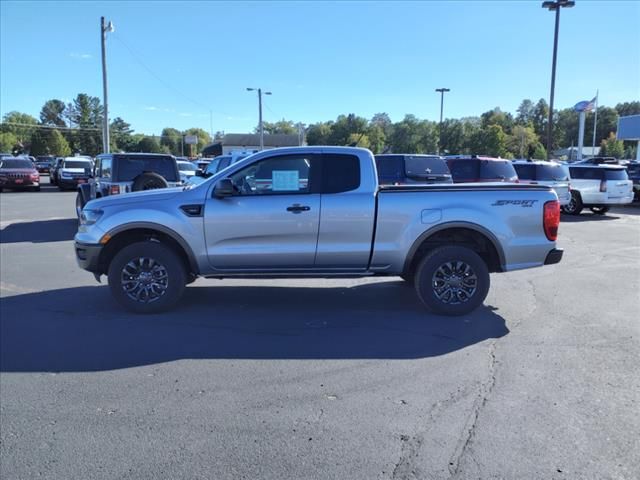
(8, 142)
(49, 142)
(52, 113)
(120, 136)
(453, 136)
(171, 138)
(612, 147)
(628, 108)
(85, 114)
(539, 152)
(319, 133)
(525, 112)
(22, 126)
(490, 141)
(283, 126)
(523, 141)
(540, 118)
(345, 126)
(149, 145)
(377, 138)
(497, 117)
(204, 139)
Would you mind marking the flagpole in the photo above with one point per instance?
(595, 125)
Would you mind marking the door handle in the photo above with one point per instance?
(297, 208)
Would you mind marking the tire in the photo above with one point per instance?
(574, 207)
(456, 296)
(148, 181)
(138, 258)
(599, 210)
(80, 203)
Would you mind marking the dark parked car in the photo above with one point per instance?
(18, 174)
(465, 169)
(400, 169)
(43, 163)
(119, 173)
(633, 170)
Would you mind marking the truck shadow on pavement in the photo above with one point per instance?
(82, 329)
(41, 231)
(587, 217)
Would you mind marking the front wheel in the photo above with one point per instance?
(452, 280)
(79, 204)
(147, 277)
(599, 210)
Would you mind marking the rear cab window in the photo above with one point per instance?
(497, 169)
(424, 166)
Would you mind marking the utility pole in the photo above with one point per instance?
(105, 120)
(555, 5)
(260, 126)
(442, 91)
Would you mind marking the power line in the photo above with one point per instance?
(139, 60)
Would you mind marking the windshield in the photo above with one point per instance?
(131, 167)
(76, 164)
(15, 163)
(186, 167)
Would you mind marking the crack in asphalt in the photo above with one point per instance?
(464, 444)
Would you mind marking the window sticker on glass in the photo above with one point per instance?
(285, 180)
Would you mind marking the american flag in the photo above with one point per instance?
(585, 106)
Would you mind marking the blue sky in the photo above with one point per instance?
(170, 63)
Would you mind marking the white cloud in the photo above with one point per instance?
(151, 108)
(81, 56)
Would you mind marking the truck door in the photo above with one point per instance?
(347, 212)
(272, 220)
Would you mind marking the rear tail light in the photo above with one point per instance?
(115, 189)
(551, 219)
(603, 185)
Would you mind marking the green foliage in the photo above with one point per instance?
(612, 147)
(540, 117)
(283, 126)
(171, 138)
(525, 112)
(21, 125)
(52, 113)
(490, 141)
(120, 136)
(49, 142)
(497, 117)
(523, 141)
(204, 139)
(539, 152)
(8, 142)
(628, 108)
(319, 133)
(149, 145)
(85, 115)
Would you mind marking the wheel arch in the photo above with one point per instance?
(474, 236)
(147, 231)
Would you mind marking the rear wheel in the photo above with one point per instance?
(147, 277)
(599, 210)
(574, 207)
(452, 280)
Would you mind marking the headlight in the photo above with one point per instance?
(89, 217)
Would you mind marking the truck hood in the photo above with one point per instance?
(136, 197)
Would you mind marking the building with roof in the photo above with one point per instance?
(250, 142)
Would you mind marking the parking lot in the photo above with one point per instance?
(327, 379)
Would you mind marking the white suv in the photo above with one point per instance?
(551, 174)
(597, 187)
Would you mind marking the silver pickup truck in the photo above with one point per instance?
(317, 212)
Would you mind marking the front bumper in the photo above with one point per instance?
(88, 256)
(18, 183)
(71, 182)
(554, 256)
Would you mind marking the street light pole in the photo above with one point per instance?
(555, 5)
(442, 91)
(105, 119)
(260, 126)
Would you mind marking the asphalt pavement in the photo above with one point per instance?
(318, 379)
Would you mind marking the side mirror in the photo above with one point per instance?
(224, 188)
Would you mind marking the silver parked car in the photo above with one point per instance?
(552, 174)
